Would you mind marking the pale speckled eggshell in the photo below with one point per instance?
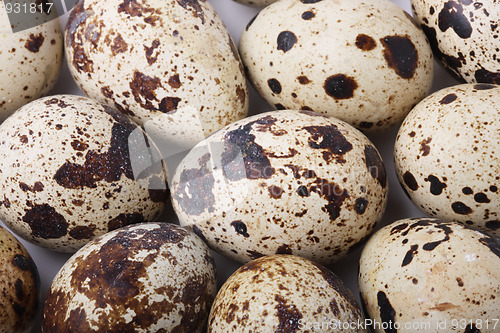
(170, 63)
(256, 3)
(150, 277)
(19, 285)
(424, 271)
(282, 182)
(30, 62)
(66, 173)
(464, 35)
(447, 155)
(284, 293)
(365, 62)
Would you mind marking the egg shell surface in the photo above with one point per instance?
(365, 62)
(464, 36)
(66, 173)
(284, 293)
(149, 277)
(171, 65)
(427, 275)
(282, 182)
(446, 155)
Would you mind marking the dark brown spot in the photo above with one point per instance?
(481, 198)
(448, 99)
(303, 191)
(484, 86)
(401, 55)
(365, 42)
(375, 165)
(452, 16)
(240, 228)
(275, 192)
(143, 87)
(485, 76)
(82, 232)
(332, 193)
(309, 1)
(493, 225)
(195, 7)
(366, 124)
(150, 50)
(284, 249)
(331, 140)
(303, 79)
(123, 220)
(286, 40)
(340, 86)
(307, 15)
(241, 94)
(436, 187)
(467, 190)
(107, 92)
(34, 42)
(288, 315)
(461, 208)
(387, 312)
(425, 149)
(471, 328)
(279, 106)
(460, 282)
(174, 81)
(119, 45)
(78, 145)
(232, 309)
(169, 104)
(45, 222)
(274, 85)
(409, 255)
(135, 8)
(360, 206)
(23, 138)
(240, 142)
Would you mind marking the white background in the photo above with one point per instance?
(236, 16)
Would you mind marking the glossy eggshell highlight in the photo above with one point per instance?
(284, 293)
(67, 172)
(464, 36)
(365, 62)
(19, 285)
(151, 277)
(282, 182)
(30, 62)
(171, 65)
(423, 272)
(446, 155)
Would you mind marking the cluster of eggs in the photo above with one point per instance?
(285, 192)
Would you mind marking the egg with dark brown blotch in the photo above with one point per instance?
(282, 182)
(464, 36)
(284, 293)
(446, 155)
(149, 277)
(256, 3)
(429, 275)
(19, 285)
(72, 169)
(171, 65)
(365, 62)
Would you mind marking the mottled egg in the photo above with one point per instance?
(464, 36)
(19, 285)
(446, 155)
(426, 275)
(30, 60)
(171, 65)
(365, 62)
(68, 172)
(284, 293)
(150, 277)
(282, 182)
(256, 3)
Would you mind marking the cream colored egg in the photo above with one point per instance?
(282, 182)
(426, 275)
(284, 293)
(171, 65)
(67, 172)
(464, 36)
(365, 62)
(446, 155)
(150, 277)
(19, 285)
(30, 61)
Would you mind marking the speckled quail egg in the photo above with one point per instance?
(426, 275)
(67, 172)
(464, 36)
(363, 61)
(284, 293)
(19, 285)
(256, 3)
(30, 61)
(282, 182)
(149, 277)
(446, 155)
(171, 64)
